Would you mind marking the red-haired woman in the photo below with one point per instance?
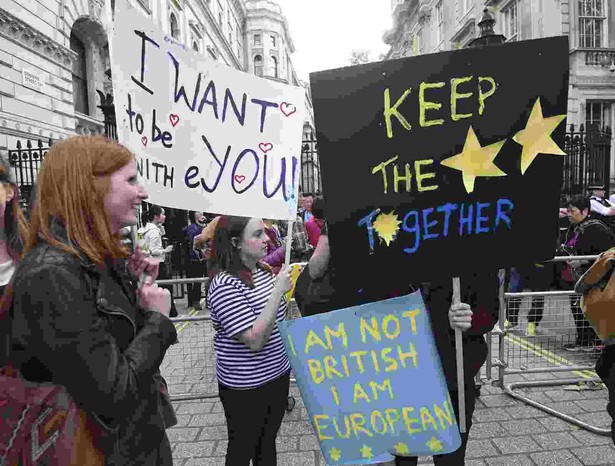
(246, 300)
(78, 320)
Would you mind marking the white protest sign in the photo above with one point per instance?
(207, 137)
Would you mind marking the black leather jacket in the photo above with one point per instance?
(77, 324)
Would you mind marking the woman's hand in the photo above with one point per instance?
(141, 264)
(154, 298)
(460, 316)
(282, 282)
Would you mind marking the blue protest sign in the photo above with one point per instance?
(372, 381)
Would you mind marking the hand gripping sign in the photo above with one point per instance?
(372, 381)
(207, 137)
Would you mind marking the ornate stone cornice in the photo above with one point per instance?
(28, 37)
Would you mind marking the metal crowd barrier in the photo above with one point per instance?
(189, 366)
(542, 353)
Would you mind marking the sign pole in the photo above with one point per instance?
(289, 242)
(461, 392)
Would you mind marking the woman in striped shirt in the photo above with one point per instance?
(245, 301)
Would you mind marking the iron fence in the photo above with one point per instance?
(26, 161)
(588, 159)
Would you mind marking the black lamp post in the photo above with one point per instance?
(487, 34)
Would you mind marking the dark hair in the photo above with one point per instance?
(318, 208)
(154, 211)
(308, 194)
(15, 224)
(224, 255)
(579, 201)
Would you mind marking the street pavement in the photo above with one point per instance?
(505, 430)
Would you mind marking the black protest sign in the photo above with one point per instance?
(443, 164)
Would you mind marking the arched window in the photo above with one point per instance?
(195, 46)
(258, 65)
(274, 67)
(80, 82)
(174, 26)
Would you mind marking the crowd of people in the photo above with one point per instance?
(81, 310)
(590, 231)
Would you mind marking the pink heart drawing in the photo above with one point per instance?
(144, 141)
(265, 146)
(174, 119)
(287, 109)
(240, 178)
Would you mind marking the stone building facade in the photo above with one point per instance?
(55, 71)
(429, 26)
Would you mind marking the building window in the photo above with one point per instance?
(220, 14)
(439, 23)
(230, 33)
(274, 67)
(257, 39)
(195, 46)
(598, 114)
(417, 43)
(591, 23)
(258, 65)
(510, 16)
(273, 42)
(80, 83)
(465, 6)
(174, 26)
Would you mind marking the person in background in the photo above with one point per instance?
(77, 319)
(13, 225)
(196, 265)
(150, 241)
(314, 225)
(276, 246)
(601, 208)
(301, 249)
(585, 236)
(535, 277)
(307, 200)
(246, 300)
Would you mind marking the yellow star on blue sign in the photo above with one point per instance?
(366, 452)
(335, 454)
(434, 445)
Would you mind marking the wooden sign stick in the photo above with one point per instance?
(461, 392)
(289, 242)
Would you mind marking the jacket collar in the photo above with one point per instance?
(58, 232)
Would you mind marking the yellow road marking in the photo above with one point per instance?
(548, 355)
(180, 326)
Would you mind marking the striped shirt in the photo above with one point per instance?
(234, 307)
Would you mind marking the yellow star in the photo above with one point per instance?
(366, 452)
(475, 160)
(434, 445)
(335, 454)
(536, 137)
(401, 449)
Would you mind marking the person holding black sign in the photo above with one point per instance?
(474, 316)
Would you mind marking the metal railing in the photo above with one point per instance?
(543, 352)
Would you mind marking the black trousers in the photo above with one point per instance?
(604, 369)
(535, 314)
(586, 336)
(253, 418)
(164, 274)
(457, 458)
(195, 269)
